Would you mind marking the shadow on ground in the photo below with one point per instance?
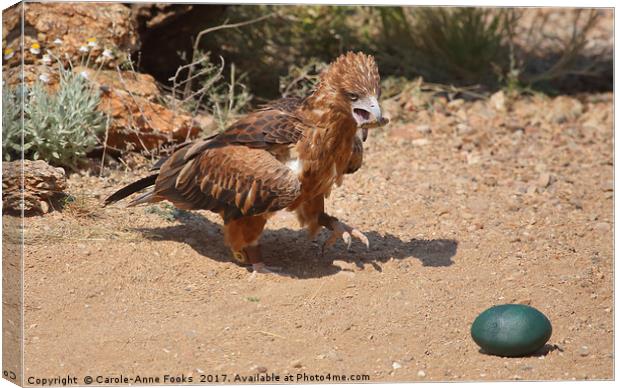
(299, 256)
(545, 350)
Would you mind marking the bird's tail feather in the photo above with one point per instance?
(132, 188)
(142, 198)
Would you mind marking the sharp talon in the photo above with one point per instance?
(346, 237)
(341, 230)
(360, 236)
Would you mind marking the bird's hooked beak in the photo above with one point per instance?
(366, 111)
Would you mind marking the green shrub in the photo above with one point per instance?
(290, 37)
(460, 45)
(201, 86)
(11, 123)
(301, 80)
(60, 128)
(449, 45)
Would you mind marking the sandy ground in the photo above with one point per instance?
(466, 205)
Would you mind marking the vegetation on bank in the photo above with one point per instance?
(262, 52)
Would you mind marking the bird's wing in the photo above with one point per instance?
(263, 129)
(236, 180)
(234, 172)
(286, 104)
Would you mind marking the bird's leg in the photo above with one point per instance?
(256, 259)
(242, 236)
(340, 230)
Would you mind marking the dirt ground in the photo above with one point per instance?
(466, 205)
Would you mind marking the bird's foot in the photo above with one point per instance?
(262, 268)
(344, 231)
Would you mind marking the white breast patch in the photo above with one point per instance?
(295, 165)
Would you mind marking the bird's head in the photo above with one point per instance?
(352, 81)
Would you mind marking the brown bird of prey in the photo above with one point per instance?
(286, 155)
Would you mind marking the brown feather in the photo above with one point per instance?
(243, 173)
(218, 179)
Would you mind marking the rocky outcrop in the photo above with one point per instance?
(44, 185)
(138, 121)
(95, 41)
(76, 32)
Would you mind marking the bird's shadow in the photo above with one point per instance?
(300, 257)
(545, 350)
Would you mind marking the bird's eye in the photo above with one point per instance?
(353, 96)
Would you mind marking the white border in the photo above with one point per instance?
(488, 3)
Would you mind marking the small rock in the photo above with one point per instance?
(576, 203)
(475, 226)
(584, 351)
(514, 205)
(498, 101)
(489, 181)
(455, 104)
(564, 109)
(45, 207)
(544, 180)
(425, 129)
(333, 355)
(296, 364)
(421, 373)
(345, 265)
(602, 227)
(419, 142)
(463, 129)
(396, 365)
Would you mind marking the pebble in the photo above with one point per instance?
(576, 203)
(475, 226)
(489, 181)
(498, 101)
(421, 373)
(419, 142)
(544, 180)
(396, 365)
(602, 227)
(333, 355)
(584, 351)
(513, 205)
(463, 129)
(296, 364)
(426, 129)
(345, 265)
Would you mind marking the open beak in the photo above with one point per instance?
(366, 111)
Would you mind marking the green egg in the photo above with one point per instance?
(511, 330)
